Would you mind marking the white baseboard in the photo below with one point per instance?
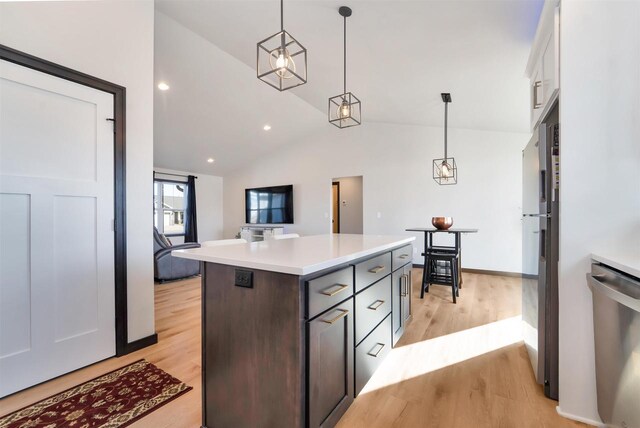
(580, 418)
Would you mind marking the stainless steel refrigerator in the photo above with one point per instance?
(540, 211)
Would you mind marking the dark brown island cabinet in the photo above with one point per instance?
(292, 345)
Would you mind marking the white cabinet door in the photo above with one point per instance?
(57, 307)
(545, 75)
(537, 94)
(549, 82)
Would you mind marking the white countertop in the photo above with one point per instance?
(297, 256)
(624, 259)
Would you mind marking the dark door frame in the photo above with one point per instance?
(120, 203)
(336, 183)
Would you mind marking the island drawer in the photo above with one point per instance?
(372, 270)
(329, 290)
(372, 305)
(401, 256)
(371, 352)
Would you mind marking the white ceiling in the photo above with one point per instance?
(401, 56)
(216, 108)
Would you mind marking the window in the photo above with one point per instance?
(169, 205)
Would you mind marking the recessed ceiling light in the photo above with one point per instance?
(210, 160)
(266, 127)
(163, 86)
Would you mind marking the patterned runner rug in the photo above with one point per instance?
(116, 399)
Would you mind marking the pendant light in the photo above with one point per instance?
(445, 170)
(281, 60)
(344, 109)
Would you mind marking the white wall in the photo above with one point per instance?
(112, 41)
(395, 162)
(209, 205)
(350, 204)
(600, 171)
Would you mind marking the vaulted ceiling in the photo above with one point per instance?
(401, 56)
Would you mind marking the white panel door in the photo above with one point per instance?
(57, 307)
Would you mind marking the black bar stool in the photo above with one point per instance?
(441, 267)
(456, 250)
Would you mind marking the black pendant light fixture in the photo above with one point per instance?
(281, 60)
(445, 170)
(344, 109)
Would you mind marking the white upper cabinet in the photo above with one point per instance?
(543, 65)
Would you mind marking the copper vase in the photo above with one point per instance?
(442, 223)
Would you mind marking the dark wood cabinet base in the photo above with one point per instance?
(253, 353)
(279, 350)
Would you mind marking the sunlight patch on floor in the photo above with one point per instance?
(434, 354)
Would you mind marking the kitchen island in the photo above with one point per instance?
(293, 329)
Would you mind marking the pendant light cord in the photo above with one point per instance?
(446, 105)
(281, 15)
(345, 56)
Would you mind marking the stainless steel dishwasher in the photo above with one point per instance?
(616, 325)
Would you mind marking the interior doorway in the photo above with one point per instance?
(346, 205)
(335, 207)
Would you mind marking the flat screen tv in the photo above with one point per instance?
(269, 205)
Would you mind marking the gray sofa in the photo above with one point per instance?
(165, 266)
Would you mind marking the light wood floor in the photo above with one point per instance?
(495, 389)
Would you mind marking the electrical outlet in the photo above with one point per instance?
(244, 278)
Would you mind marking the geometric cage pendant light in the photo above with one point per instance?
(344, 109)
(281, 59)
(445, 170)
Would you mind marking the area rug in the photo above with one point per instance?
(116, 399)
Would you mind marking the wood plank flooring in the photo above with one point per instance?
(493, 389)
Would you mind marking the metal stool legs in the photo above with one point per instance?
(455, 291)
(430, 273)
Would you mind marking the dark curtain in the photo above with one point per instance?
(190, 221)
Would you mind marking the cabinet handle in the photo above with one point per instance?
(376, 269)
(406, 284)
(343, 313)
(375, 355)
(334, 289)
(375, 308)
(404, 256)
(403, 278)
(536, 85)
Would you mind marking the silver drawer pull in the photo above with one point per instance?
(536, 86)
(334, 289)
(403, 284)
(375, 305)
(375, 355)
(376, 269)
(403, 256)
(343, 313)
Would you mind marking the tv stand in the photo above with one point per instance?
(260, 233)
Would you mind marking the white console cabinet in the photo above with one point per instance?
(260, 233)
